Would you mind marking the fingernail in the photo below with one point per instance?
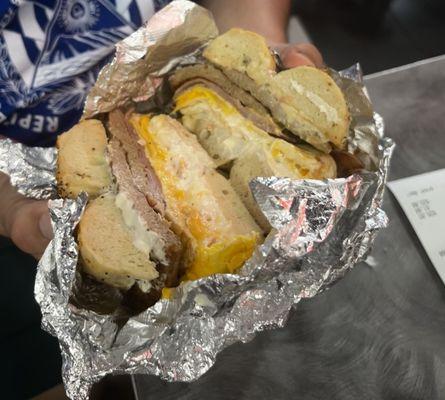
(45, 226)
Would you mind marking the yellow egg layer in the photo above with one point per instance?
(219, 105)
(197, 93)
(190, 205)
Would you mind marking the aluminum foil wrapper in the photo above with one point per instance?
(31, 169)
(170, 38)
(321, 229)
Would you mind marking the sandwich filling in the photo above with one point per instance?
(204, 207)
(139, 192)
(243, 149)
(227, 136)
(220, 128)
(208, 76)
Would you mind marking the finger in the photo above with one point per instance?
(43, 229)
(30, 231)
(292, 58)
(37, 256)
(312, 52)
(295, 55)
(46, 232)
(45, 225)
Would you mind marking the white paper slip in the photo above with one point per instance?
(422, 198)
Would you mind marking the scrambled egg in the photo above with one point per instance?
(216, 246)
(217, 105)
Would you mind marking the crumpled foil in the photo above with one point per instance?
(168, 39)
(31, 169)
(321, 229)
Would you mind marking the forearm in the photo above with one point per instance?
(266, 17)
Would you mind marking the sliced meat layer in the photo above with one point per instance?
(141, 172)
(213, 78)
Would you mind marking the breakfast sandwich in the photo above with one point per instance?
(169, 191)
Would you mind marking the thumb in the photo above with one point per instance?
(295, 55)
(45, 225)
(30, 226)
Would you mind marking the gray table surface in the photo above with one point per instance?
(380, 332)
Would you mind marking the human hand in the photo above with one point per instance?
(295, 55)
(28, 225)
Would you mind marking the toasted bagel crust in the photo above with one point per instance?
(82, 165)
